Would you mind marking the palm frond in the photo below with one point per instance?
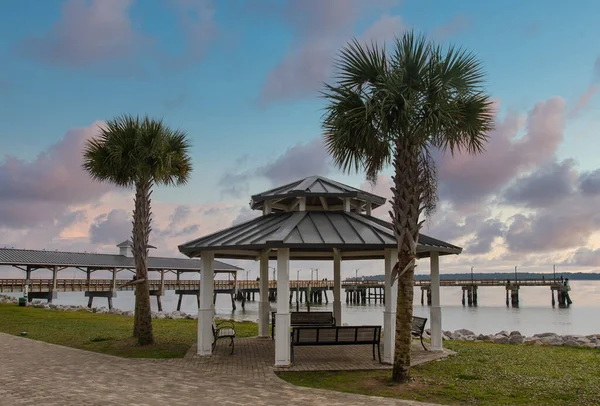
(130, 149)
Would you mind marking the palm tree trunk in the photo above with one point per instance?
(405, 217)
(142, 324)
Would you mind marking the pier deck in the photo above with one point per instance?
(310, 291)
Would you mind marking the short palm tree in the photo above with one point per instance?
(396, 108)
(140, 153)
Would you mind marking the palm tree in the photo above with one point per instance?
(395, 109)
(133, 152)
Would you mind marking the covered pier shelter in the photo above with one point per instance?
(311, 219)
(28, 260)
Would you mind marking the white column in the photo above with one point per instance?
(368, 208)
(267, 207)
(54, 278)
(435, 312)
(389, 314)
(346, 204)
(282, 337)
(302, 204)
(263, 305)
(337, 286)
(206, 310)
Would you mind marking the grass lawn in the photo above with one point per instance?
(481, 374)
(106, 333)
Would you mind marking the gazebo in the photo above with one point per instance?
(311, 219)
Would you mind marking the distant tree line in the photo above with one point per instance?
(574, 276)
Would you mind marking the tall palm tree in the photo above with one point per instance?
(140, 153)
(396, 108)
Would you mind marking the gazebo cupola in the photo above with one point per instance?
(316, 193)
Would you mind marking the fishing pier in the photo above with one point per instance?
(301, 291)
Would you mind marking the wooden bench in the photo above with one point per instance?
(223, 329)
(418, 327)
(337, 335)
(306, 319)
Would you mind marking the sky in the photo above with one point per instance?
(242, 78)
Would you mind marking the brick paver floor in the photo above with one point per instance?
(33, 372)
(256, 356)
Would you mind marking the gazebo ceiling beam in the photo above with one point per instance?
(324, 203)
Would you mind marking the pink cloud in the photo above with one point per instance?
(320, 29)
(88, 33)
(197, 20)
(39, 191)
(584, 99)
(466, 180)
(387, 27)
(455, 25)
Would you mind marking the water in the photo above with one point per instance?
(535, 314)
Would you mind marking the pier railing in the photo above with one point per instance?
(101, 285)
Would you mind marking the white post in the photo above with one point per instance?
(346, 204)
(389, 314)
(337, 286)
(206, 310)
(282, 338)
(302, 204)
(27, 282)
(54, 278)
(263, 305)
(436, 311)
(267, 207)
(368, 208)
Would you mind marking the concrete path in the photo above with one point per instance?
(33, 372)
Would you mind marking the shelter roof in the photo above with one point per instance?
(310, 235)
(316, 187)
(41, 258)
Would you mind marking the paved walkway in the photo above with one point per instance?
(33, 372)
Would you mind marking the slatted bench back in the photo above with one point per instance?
(312, 318)
(418, 325)
(336, 335)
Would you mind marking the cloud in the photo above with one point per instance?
(320, 28)
(590, 91)
(38, 192)
(485, 236)
(245, 214)
(567, 225)
(88, 33)
(585, 257)
(196, 18)
(387, 27)
(455, 25)
(545, 186)
(297, 162)
(111, 228)
(584, 100)
(590, 183)
(468, 181)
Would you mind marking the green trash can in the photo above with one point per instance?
(22, 301)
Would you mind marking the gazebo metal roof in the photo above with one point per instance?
(44, 259)
(314, 187)
(310, 235)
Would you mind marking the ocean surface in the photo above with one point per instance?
(534, 315)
